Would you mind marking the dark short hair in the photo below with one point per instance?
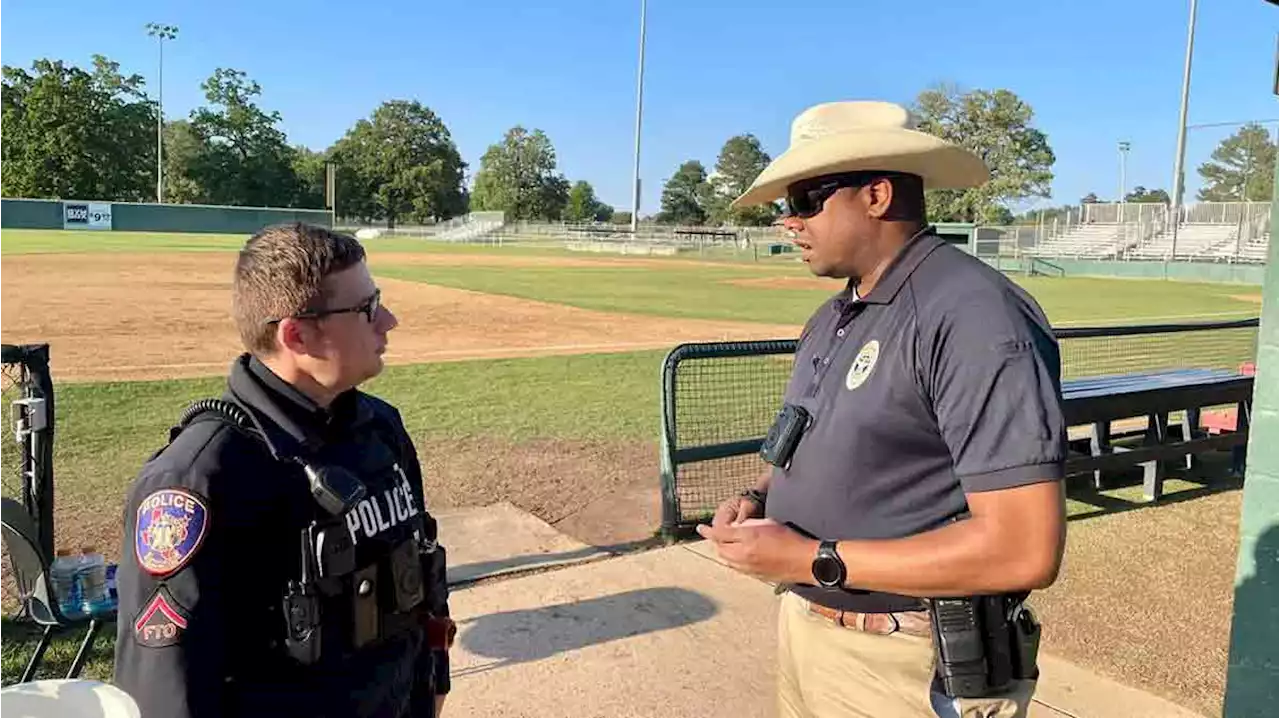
(908, 199)
(280, 272)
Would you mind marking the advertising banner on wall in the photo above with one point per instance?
(86, 215)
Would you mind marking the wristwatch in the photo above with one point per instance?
(828, 569)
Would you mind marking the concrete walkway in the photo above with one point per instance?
(668, 632)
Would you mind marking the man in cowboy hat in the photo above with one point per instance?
(919, 452)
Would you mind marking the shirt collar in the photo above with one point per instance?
(921, 245)
(292, 412)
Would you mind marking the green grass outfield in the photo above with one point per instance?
(106, 430)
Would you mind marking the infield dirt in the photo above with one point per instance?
(154, 316)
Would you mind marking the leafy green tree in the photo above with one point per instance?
(400, 164)
(1141, 194)
(741, 160)
(244, 159)
(518, 177)
(309, 166)
(583, 205)
(997, 126)
(685, 195)
(77, 134)
(1242, 167)
(182, 149)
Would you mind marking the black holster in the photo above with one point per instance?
(982, 644)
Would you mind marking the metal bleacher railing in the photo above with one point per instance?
(1232, 232)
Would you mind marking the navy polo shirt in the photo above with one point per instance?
(943, 380)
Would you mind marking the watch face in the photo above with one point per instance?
(826, 570)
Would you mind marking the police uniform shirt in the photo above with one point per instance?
(943, 380)
(212, 536)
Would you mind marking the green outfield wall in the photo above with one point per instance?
(1182, 271)
(142, 217)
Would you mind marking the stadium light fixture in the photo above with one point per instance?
(1182, 131)
(635, 174)
(161, 33)
(1124, 157)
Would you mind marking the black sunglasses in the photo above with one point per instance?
(805, 198)
(369, 307)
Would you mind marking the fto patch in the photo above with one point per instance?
(161, 623)
(862, 365)
(171, 525)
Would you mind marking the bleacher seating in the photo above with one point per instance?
(1228, 232)
(1194, 241)
(1095, 241)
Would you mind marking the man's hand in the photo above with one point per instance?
(736, 510)
(765, 549)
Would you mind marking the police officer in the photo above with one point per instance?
(915, 471)
(278, 557)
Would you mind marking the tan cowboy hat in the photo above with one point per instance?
(865, 135)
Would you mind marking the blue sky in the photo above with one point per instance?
(1095, 71)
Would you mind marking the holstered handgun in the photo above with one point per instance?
(440, 628)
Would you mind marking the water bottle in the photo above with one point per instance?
(66, 586)
(94, 597)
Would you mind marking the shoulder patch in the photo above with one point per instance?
(171, 525)
(161, 623)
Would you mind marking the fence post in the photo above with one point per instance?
(1253, 658)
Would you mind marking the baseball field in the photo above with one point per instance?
(532, 376)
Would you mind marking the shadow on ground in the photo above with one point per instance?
(20, 640)
(1122, 491)
(534, 634)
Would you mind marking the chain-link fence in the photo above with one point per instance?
(26, 458)
(719, 399)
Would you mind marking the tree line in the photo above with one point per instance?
(91, 134)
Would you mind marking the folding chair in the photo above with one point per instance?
(31, 573)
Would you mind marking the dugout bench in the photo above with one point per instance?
(1100, 401)
(719, 399)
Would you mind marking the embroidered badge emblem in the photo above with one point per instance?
(863, 364)
(160, 623)
(170, 527)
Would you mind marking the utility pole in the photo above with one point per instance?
(161, 33)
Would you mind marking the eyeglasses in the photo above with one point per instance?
(805, 198)
(369, 308)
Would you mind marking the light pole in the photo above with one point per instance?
(162, 33)
(1124, 156)
(635, 175)
(1182, 131)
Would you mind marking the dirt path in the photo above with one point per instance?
(127, 316)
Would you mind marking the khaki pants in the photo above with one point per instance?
(826, 670)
